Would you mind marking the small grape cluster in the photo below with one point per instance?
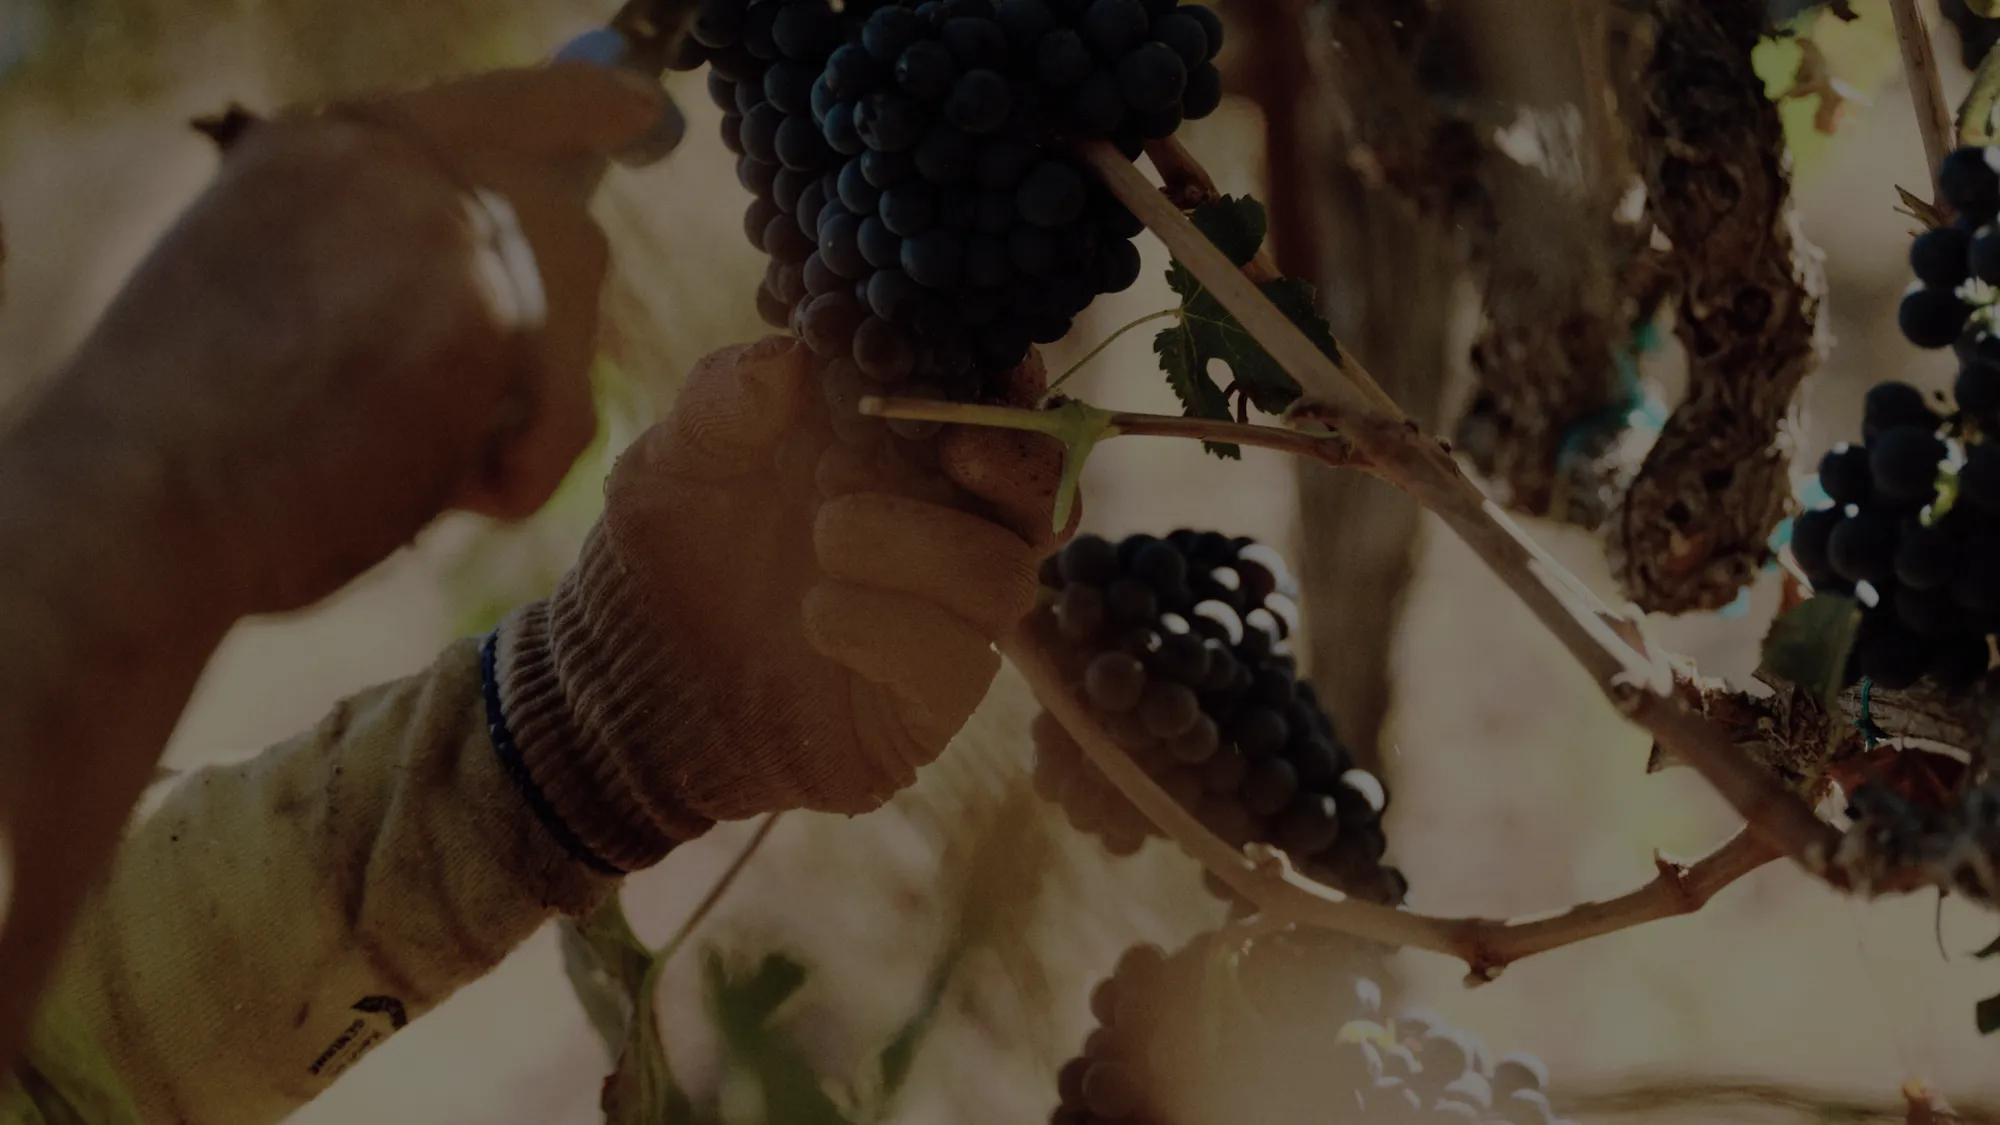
(1913, 530)
(1179, 646)
(1147, 1064)
(1927, 574)
(924, 225)
(1956, 264)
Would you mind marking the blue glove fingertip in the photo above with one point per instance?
(600, 46)
(610, 48)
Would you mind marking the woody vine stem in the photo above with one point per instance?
(1367, 430)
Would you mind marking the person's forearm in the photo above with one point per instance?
(276, 919)
(108, 613)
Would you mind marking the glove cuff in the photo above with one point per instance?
(575, 679)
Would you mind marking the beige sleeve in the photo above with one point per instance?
(276, 919)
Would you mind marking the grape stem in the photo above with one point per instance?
(1283, 897)
(1920, 66)
(721, 887)
(1633, 675)
(1074, 419)
(1099, 349)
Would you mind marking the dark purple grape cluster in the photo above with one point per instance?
(1926, 572)
(1179, 646)
(1954, 262)
(924, 224)
(1913, 530)
(1301, 1037)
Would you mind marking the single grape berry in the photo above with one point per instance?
(829, 321)
(1904, 463)
(1113, 681)
(1977, 390)
(1863, 547)
(789, 86)
(908, 208)
(1203, 95)
(1258, 731)
(926, 71)
(1983, 258)
(1309, 824)
(805, 31)
(888, 123)
(1932, 318)
(879, 246)
(1052, 194)
(1888, 405)
(1153, 77)
(1939, 257)
(1182, 34)
(1269, 786)
(1197, 744)
(1168, 709)
(889, 31)
(838, 129)
(883, 352)
(1098, 106)
(1845, 474)
(1131, 601)
(1161, 566)
(1926, 559)
(975, 42)
(718, 24)
(1211, 25)
(1113, 27)
(892, 294)
(1089, 559)
(820, 278)
(1062, 60)
(1979, 479)
(1968, 182)
(980, 102)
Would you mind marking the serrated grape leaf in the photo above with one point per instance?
(1986, 1015)
(1236, 224)
(1205, 331)
(1808, 646)
(756, 1049)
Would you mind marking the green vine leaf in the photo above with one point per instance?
(769, 1060)
(1205, 331)
(1809, 643)
(615, 977)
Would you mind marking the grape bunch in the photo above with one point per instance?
(924, 224)
(1297, 1034)
(1957, 264)
(1179, 645)
(1913, 530)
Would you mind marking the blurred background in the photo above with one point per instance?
(1517, 789)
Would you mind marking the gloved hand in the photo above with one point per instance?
(731, 644)
(380, 309)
